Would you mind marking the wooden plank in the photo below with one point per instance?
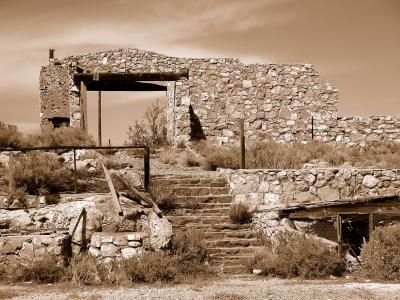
(124, 86)
(135, 194)
(339, 232)
(83, 106)
(114, 195)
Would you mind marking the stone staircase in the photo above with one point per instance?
(203, 204)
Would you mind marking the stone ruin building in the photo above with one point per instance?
(208, 97)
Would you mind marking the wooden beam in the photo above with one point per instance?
(242, 146)
(114, 195)
(339, 232)
(154, 76)
(83, 106)
(123, 86)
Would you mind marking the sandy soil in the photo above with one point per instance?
(223, 289)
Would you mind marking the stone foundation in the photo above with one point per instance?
(117, 245)
(34, 247)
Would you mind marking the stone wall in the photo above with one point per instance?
(117, 245)
(277, 101)
(30, 247)
(273, 188)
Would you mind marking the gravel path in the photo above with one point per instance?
(224, 289)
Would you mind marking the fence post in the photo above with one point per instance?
(83, 233)
(75, 180)
(242, 146)
(11, 179)
(312, 128)
(147, 169)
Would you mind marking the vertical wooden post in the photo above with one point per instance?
(11, 179)
(147, 169)
(51, 54)
(83, 228)
(242, 146)
(75, 180)
(339, 232)
(83, 107)
(312, 128)
(371, 224)
(99, 120)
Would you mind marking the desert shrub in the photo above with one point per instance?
(90, 154)
(152, 267)
(45, 270)
(380, 256)
(19, 193)
(189, 246)
(113, 163)
(10, 136)
(240, 213)
(163, 196)
(169, 156)
(191, 159)
(218, 156)
(86, 270)
(63, 136)
(41, 173)
(296, 255)
(152, 131)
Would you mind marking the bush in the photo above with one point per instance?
(218, 156)
(46, 270)
(10, 136)
(380, 256)
(152, 131)
(41, 173)
(163, 196)
(240, 213)
(152, 267)
(169, 156)
(296, 255)
(85, 269)
(191, 159)
(58, 137)
(189, 246)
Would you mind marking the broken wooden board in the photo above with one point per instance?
(114, 195)
(134, 193)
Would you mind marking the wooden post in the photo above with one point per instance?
(147, 169)
(11, 179)
(114, 195)
(83, 107)
(371, 224)
(242, 146)
(99, 121)
(83, 232)
(312, 128)
(339, 232)
(75, 179)
(51, 54)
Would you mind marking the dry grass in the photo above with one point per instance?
(274, 155)
(10, 136)
(191, 159)
(163, 196)
(240, 213)
(227, 296)
(295, 255)
(169, 156)
(380, 256)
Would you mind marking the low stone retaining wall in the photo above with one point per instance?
(35, 246)
(117, 245)
(284, 187)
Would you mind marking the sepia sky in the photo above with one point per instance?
(355, 44)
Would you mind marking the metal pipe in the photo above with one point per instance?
(99, 120)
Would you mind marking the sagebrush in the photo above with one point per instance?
(240, 213)
(380, 256)
(296, 255)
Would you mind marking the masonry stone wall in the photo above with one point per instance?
(277, 101)
(27, 248)
(277, 188)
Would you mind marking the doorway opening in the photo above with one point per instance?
(355, 230)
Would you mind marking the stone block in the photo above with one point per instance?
(134, 237)
(109, 250)
(370, 181)
(134, 244)
(128, 252)
(328, 194)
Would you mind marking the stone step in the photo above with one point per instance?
(232, 250)
(233, 242)
(211, 205)
(193, 220)
(200, 191)
(246, 234)
(199, 212)
(222, 198)
(237, 269)
(214, 227)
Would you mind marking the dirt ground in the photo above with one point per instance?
(222, 289)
